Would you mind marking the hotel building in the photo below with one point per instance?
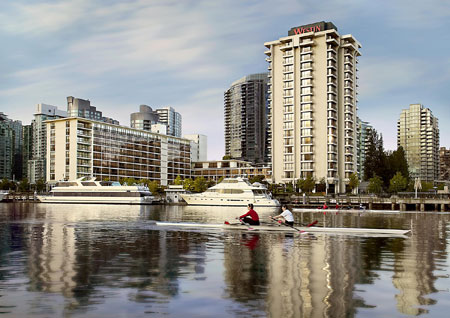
(418, 134)
(245, 118)
(312, 105)
(78, 147)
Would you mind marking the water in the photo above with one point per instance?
(111, 261)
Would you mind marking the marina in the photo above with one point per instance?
(97, 260)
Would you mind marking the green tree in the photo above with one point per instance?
(257, 178)
(188, 184)
(226, 157)
(426, 186)
(376, 160)
(306, 185)
(220, 179)
(397, 163)
(24, 185)
(178, 181)
(5, 184)
(40, 185)
(375, 185)
(398, 183)
(200, 185)
(210, 183)
(153, 186)
(289, 188)
(353, 182)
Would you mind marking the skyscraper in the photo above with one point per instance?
(6, 147)
(37, 165)
(312, 104)
(444, 164)
(245, 118)
(362, 131)
(27, 148)
(418, 134)
(144, 119)
(168, 116)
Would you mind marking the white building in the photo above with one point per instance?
(199, 147)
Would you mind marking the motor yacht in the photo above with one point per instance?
(233, 192)
(92, 191)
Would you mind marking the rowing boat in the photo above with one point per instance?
(276, 228)
(343, 210)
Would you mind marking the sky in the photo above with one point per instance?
(185, 54)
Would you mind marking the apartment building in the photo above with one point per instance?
(362, 132)
(169, 117)
(78, 147)
(36, 167)
(246, 118)
(313, 104)
(199, 147)
(418, 134)
(216, 169)
(77, 107)
(444, 164)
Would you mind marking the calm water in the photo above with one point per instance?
(110, 261)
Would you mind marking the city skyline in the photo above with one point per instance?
(187, 54)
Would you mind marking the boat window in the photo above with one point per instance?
(237, 191)
(66, 184)
(211, 190)
(258, 192)
(87, 183)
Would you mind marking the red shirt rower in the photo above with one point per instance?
(251, 217)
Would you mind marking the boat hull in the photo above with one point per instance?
(282, 228)
(95, 200)
(223, 201)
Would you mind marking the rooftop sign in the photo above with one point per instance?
(314, 27)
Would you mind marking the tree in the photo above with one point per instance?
(24, 185)
(397, 163)
(353, 182)
(322, 186)
(398, 183)
(257, 178)
(375, 185)
(178, 181)
(289, 188)
(153, 186)
(40, 185)
(210, 183)
(188, 184)
(5, 184)
(376, 161)
(220, 179)
(200, 185)
(226, 157)
(306, 185)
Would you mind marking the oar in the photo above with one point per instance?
(300, 231)
(242, 223)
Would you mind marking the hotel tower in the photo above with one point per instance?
(312, 105)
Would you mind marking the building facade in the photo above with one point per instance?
(245, 104)
(214, 170)
(418, 134)
(78, 147)
(173, 120)
(36, 167)
(199, 147)
(444, 164)
(144, 119)
(77, 107)
(7, 139)
(27, 148)
(362, 131)
(313, 104)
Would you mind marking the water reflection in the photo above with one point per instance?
(98, 261)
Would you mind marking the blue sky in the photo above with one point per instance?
(185, 54)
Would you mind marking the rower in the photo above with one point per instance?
(286, 216)
(251, 217)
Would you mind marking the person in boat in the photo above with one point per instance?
(251, 217)
(286, 216)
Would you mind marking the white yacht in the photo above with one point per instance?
(3, 194)
(233, 192)
(92, 191)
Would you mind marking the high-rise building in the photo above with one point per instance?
(7, 139)
(168, 116)
(78, 147)
(418, 134)
(246, 118)
(199, 147)
(37, 165)
(77, 107)
(312, 105)
(444, 164)
(362, 131)
(144, 119)
(15, 167)
(27, 148)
